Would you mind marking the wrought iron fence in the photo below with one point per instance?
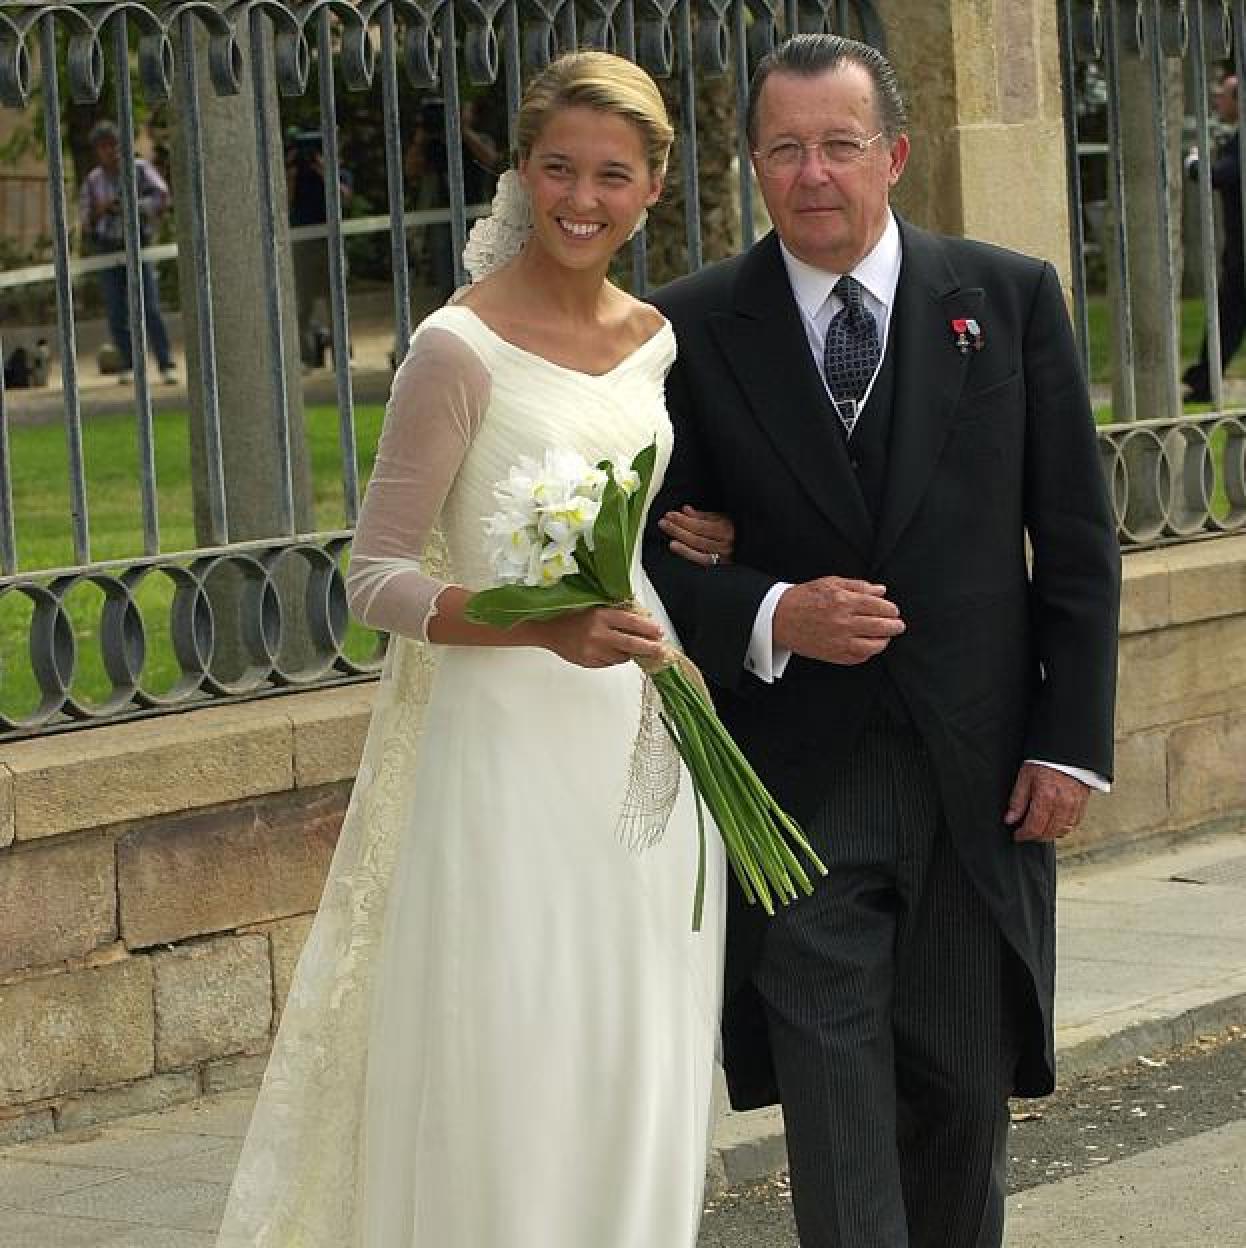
(177, 618)
(231, 618)
(1139, 80)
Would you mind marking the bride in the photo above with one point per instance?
(501, 1032)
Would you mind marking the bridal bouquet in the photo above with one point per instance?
(564, 541)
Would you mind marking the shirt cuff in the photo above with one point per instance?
(764, 659)
(1092, 779)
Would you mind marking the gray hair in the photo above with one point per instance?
(808, 56)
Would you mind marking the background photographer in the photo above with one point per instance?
(305, 195)
(99, 208)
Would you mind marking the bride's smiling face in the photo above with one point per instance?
(589, 180)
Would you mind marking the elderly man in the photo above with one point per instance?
(888, 416)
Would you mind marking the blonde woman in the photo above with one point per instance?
(501, 1033)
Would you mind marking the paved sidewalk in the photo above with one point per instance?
(1151, 954)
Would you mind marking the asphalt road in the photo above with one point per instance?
(1153, 1154)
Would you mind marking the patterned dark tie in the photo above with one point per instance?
(850, 357)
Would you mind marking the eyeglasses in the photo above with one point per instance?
(788, 157)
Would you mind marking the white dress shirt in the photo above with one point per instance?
(812, 288)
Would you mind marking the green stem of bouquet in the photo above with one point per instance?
(698, 893)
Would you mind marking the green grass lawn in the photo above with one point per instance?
(1099, 326)
(41, 503)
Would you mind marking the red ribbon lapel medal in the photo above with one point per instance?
(967, 333)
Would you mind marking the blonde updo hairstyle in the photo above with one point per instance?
(604, 82)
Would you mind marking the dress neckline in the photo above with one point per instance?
(492, 333)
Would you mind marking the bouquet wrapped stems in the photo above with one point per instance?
(565, 541)
(754, 827)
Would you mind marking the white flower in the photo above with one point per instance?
(627, 478)
(498, 238)
(593, 484)
(566, 523)
(556, 561)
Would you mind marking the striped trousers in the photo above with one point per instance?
(890, 1002)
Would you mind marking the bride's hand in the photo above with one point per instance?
(602, 636)
(704, 537)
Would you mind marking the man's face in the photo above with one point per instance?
(1225, 100)
(108, 154)
(828, 213)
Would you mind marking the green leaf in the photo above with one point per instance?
(611, 560)
(507, 605)
(644, 464)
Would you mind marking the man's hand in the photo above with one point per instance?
(704, 537)
(1046, 804)
(836, 620)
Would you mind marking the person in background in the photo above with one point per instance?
(100, 218)
(305, 195)
(1226, 178)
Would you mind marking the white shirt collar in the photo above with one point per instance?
(878, 272)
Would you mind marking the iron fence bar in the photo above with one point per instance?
(791, 17)
(1123, 321)
(394, 180)
(1206, 206)
(739, 27)
(454, 140)
(514, 71)
(567, 38)
(8, 532)
(273, 303)
(1073, 171)
(688, 133)
(1159, 119)
(79, 516)
(337, 265)
(137, 296)
(209, 394)
(640, 244)
(171, 557)
(1239, 67)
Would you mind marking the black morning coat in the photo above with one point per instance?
(987, 446)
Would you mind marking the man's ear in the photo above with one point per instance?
(899, 158)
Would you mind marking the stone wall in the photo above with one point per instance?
(157, 881)
(982, 82)
(157, 878)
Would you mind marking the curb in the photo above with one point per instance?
(751, 1147)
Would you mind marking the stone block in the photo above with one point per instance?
(72, 1032)
(8, 822)
(234, 1074)
(287, 940)
(1145, 604)
(1029, 160)
(1181, 673)
(1208, 580)
(329, 730)
(123, 772)
(1207, 768)
(1016, 69)
(21, 1128)
(213, 998)
(144, 1097)
(57, 901)
(1138, 802)
(213, 871)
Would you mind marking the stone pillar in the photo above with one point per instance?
(237, 242)
(982, 83)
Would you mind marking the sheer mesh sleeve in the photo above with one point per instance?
(438, 399)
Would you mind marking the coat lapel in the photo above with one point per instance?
(764, 346)
(930, 374)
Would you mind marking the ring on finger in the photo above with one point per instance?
(715, 559)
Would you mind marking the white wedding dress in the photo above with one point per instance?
(501, 1033)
